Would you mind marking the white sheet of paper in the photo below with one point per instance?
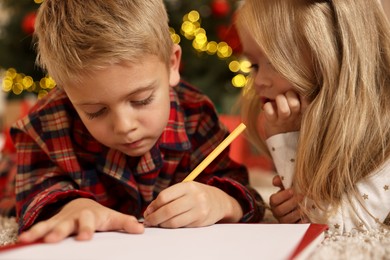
(220, 241)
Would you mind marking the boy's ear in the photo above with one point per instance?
(174, 65)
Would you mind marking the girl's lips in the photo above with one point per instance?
(265, 100)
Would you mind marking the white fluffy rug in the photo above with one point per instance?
(370, 245)
(8, 231)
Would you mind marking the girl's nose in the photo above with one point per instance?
(262, 78)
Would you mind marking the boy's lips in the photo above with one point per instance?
(133, 144)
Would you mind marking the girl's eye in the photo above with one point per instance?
(143, 102)
(96, 114)
(254, 67)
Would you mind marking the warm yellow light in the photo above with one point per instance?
(27, 82)
(17, 88)
(245, 66)
(201, 39)
(7, 84)
(50, 83)
(239, 81)
(175, 38)
(212, 47)
(42, 93)
(188, 27)
(224, 50)
(193, 16)
(11, 72)
(234, 66)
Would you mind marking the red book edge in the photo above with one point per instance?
(313, 231)
(17, 245)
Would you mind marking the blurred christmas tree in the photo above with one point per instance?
(203, 28)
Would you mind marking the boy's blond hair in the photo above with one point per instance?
(78, 37)
(337, 54)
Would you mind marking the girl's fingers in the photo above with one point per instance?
(277, 182)
(283, 108)
(281, 197)
(269, 112)
(292, 217)
(293, 102)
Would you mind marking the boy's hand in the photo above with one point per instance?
(81, 217)
(283, 114)
(285, 204)
(192, 204)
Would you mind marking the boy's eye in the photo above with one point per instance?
(143, 102)
(96, 114)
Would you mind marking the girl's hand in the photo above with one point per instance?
(192, 204)
(285, 204)
(283, 114)
(81, 217)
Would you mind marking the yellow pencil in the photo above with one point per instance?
(233, 135)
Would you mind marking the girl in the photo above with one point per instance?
(321, 84)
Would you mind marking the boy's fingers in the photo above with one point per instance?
(34, 233)
(60, 231)
(124, 222)
(87, 225)
(167, 212)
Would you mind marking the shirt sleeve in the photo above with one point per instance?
(39, 182)
(283, 149)
(367, 209)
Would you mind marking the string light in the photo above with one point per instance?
(15, 82)
(191, 29)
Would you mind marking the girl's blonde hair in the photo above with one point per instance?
(77, 37)
(337, 54)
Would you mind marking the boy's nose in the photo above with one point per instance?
(124, 123)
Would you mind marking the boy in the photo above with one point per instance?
(112, 142)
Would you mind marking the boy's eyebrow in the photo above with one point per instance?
(149, 86)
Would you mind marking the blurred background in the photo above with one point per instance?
(203, 28)
(210, 60)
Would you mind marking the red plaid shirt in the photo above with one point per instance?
(58, 160)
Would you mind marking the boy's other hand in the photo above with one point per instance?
(285, 204)
(192, 204)
(81, 217)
